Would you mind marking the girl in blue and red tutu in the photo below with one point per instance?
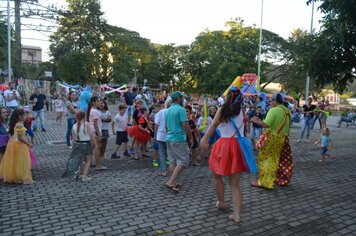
(141, 132)
(226, 158)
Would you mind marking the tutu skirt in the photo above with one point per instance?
(226, 157)
(16, 163)
(139, 135)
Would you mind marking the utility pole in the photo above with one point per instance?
(17, 53)
(308, 77)
(260, 48)
(8, 42)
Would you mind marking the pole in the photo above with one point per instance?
(260, 48)
(18, 46)
(308, 77)
(8, 42)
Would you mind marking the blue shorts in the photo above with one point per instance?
(121, 137)
(130, 110)
(30, 133)
(155, 146)
(323, 150)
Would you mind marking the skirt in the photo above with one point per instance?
(226, 157)
(79, 153)
(16, 163)
(139, 135)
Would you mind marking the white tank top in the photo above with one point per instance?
(227, 130)
(83, 136)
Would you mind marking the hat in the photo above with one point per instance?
(177, 95)
(277, 97)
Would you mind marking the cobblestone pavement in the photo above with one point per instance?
(130, 199)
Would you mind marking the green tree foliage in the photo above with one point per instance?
(76, 46)
(333, 59)
(3, 47)
(217, 57)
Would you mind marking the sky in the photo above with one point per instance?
(180, 21)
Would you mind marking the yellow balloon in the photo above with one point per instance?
(235, 83)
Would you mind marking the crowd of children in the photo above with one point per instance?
(144, 126)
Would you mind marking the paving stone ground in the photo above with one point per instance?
(130, 199)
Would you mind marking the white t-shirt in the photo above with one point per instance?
(209, 121)
(83, 134)
(95, 115)
(9, 94)
(105, 115)
(121, 122)
(161, 122)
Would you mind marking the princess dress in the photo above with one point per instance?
(16, 162)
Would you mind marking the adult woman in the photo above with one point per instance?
(71, 108)
(226, 157)
(308, 112)
(277, 125)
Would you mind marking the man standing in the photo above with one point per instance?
(37, 100)
(176, 140)
(129, 98)
(12, 97)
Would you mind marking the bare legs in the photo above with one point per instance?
(174, 171)
(234, 181)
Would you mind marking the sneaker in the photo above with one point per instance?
(167, 162)
(132, 152)
(114, 156)
(44, 130)
(85, 179)
(127, 154)
(155, 163)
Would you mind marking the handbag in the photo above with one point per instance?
(247, 151)
(261, 142)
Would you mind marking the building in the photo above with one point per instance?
(31, 54)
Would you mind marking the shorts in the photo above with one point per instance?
(178, 153)
(30, 133)
(256, 132)
(155, 146)
(121, 137)
(129, 110)
(324, 150)
(195, 143)
(105, 133)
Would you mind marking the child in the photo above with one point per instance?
(4, 134)
(121, 122)
(157, 108)
(84, 142)
(105, 116)
(256, 130)
(28, 125)
(325, 143)
(195, 134)
(141, 132)
(16, 163)
(59, 104)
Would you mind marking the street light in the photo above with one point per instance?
(171, 83)
(8, 43)
(308, 77)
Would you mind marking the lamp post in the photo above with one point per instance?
(8, 42)
(171, 83)
(260, 48)
(308, 77)
(135, 77)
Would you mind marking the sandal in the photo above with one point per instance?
(232, 217)
(175, 189)
(223, 207)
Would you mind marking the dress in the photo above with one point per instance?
(16, 163)
(226, 157)
(137, 133)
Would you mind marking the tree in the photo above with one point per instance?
(3, 48)
(77, 44)
(333, 59)
(217, 57)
